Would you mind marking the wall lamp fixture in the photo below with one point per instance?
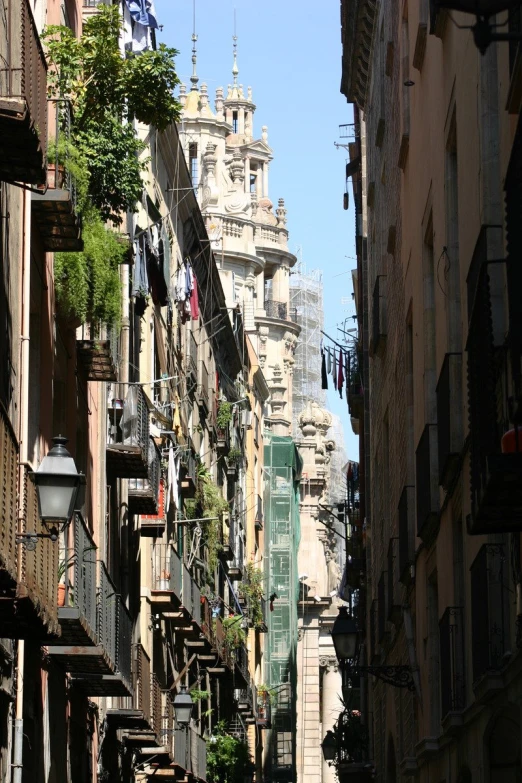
(345, 637)
(57, 483)
(483, 30)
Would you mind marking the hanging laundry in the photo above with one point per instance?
(340, 378)
(143, 12)
(334, 370)
(329, 362)
(194, 301)
(324, 376)
(173, 479)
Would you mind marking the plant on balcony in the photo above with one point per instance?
(87, 283)
(209, 502)
(354, 736)
(198, 695)
(235, 634)
(227, 757)
(252, 590)
(107, 92)
(224, 415)
(234, 456)
(265, 694)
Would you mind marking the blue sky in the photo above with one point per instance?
(289, 52)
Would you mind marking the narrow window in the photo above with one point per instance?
(253, 183)
(193, 164)
(234, 122)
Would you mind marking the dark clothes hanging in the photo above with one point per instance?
(340, 378)
(324, 376)
(334, 370)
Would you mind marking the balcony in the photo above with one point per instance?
(167, 570)
(144, 493)
(203, 386)
(354, 386)
(496, 479)
(99, 355)
(406, 534)
(264, 710)
(77, 612)
(275, 309)
(452, 673)
(128, 437)
(450, 438)
(188, 470)
(28, 609)
(55, 209)
(490, 601)
(393, 597)
(104, 668)
(23, 97)
(427, 485)
(191, 363)
(190, 597)
(140, 726)
(240, 657)
(379, 319)
(154, 525)
(259, 513)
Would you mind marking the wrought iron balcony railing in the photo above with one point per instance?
(406, 533)
(128, 437)
(379, 317)
(144, 492)
(489, 610)
(452, 671)
(167, 570)
(23, 96)
(449, 417)
(427, 485)
(56, 208)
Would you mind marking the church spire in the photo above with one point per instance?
(235, 69)
(194, 78)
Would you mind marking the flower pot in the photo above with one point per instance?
(61, 594)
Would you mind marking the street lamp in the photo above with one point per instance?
(183, 707)
(329, 746)
(345, 637)
(482, 30)
(57, 482)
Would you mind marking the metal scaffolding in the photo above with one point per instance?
(306, 301)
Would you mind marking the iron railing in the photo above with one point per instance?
(198, 755)
(142, 683)
(426, 476)
(114, 626)
(136, 419)
(449, 406)
(181, 748)
(166, 569)
(191, 595)
(452, 683)
(156, 706)
(23, 88)
(483, 373)
(192, 360)
(489, 609)
(83, 592)
(259, 511)
(275, 309)
(144, 492)
(8, 494)
(406, 533)
(241, 660)
(203, 383)
(393, 599)
(379, 328)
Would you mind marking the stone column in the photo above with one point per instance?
(247, 174)
(241, 121)
(331, 706)
(265, 179)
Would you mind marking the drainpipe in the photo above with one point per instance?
(18, 744)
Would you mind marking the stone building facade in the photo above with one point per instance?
(435, 154)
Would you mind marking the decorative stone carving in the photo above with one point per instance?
(182, 94)
(210, 188)
(219, 104)
(264, 134)
(281, 213)
(264, 212)
(329, 662)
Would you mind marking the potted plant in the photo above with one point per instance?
(63, 567)
(234, 457)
